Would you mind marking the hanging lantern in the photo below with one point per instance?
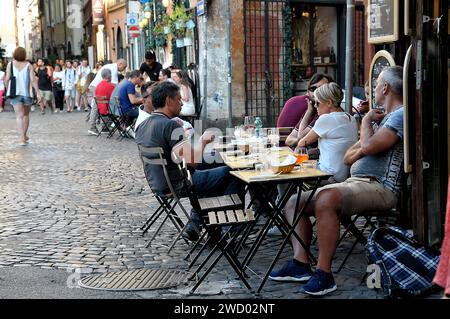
(147, 11)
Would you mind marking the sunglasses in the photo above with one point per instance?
(312, 88)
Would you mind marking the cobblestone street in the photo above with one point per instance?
(73, 201)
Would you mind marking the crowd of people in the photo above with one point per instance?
(71, 85)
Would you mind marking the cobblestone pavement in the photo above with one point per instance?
(70, 200)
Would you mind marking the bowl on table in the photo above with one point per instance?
(282, 165)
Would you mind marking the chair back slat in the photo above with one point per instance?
(231, 216)
(240, 216)
(212, 218)
(250, 215)
(221, 217)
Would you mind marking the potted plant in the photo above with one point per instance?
(179, 17)
(167, 24)
(179, 37)
(188, 38)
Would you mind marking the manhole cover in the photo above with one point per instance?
(139, 279)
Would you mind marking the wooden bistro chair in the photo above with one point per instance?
(169, 201)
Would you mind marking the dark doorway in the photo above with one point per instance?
(119, 43)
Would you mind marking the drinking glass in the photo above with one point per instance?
(273, 135)
(301, 153)
(249, 124)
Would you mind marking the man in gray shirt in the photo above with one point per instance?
(159, 130)
(376, 172)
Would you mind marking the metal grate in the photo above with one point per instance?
(139, 279)
(264, 58)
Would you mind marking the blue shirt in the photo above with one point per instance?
(128, 88)
(386, 167)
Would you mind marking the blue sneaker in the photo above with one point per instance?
(320, 284)
(292, 272)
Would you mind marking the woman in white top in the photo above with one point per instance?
(182, 79)
(25, 80)
(335, 130)
(2, 86)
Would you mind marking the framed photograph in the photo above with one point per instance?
(382, 21)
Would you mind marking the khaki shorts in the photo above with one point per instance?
(47, 95)
(360, 195)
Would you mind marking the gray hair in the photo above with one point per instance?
(329, 92)
(106, 73)
(393, 76)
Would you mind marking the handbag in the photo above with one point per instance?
(12, 84)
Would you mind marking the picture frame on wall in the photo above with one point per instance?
(383, 21)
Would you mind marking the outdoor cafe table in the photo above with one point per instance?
(261, 184)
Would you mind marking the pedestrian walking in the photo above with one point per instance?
(19, 80)
(44, 74)
(2, 86)
(82, 72)
(69, 85)
(58, 91)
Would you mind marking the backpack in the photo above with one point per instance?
(407, 266)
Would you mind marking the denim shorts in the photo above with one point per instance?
(20, 99)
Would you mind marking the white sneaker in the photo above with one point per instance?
(274, 231)
(33, 108)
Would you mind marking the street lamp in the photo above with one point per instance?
(147, 11)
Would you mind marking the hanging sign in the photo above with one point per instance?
(383, 21)
(98, 12)
(201, 7)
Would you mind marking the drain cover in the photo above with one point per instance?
(139, 279)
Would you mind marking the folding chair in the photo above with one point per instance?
(373, 219)
(236, 220)
(105, 118)
(168, 201)
(121, 120)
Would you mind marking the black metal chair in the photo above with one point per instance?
(105, 118)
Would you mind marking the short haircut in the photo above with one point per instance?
(120, 77)
(329, 92)
(135, 74)
(162, 91)
(393, 76)
(150, 55)
(319, 77)
(127, 75)
(69, 61)
(106, 73)
(20, 54)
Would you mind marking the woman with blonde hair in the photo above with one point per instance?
(20, 90)
(335, 131)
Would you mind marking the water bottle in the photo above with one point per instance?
(258, 126)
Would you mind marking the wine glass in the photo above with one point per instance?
(249, 124)
(301, 153)
(273, 134)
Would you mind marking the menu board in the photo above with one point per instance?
(381, 60)
(382, 21)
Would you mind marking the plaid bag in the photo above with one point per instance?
(407, 266)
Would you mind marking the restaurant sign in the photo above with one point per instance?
(98, 12)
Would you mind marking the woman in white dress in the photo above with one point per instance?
(182, 79)
(25, 80)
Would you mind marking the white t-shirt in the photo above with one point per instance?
(337, 132)
(114, 75)
(144, 115)
(188, 107)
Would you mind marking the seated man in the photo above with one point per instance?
(113, 103)
(147, 108)
(104, 89)
(159, 130)
(128, 98)
(376, 172)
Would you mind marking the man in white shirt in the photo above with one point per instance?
(83, 70)
(115, 68)
(69, 84)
